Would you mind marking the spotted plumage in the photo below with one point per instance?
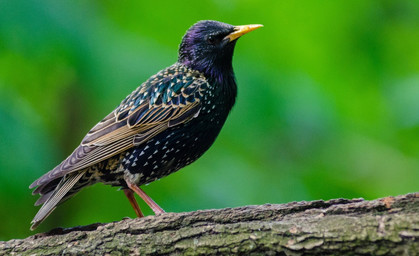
(168, 122)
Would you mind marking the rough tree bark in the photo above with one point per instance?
(387, 226)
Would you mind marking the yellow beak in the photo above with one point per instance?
(241, 30)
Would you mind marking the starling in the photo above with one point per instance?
(168, 122)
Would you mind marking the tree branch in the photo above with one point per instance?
(387, 226)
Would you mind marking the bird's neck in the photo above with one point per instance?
(225, 85)
(220, 75)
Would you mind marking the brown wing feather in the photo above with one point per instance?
(123, 129)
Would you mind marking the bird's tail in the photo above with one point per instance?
(54, 197)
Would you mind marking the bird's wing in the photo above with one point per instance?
(171, 97)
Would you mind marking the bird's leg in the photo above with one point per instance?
(133, 202)
(155, 207)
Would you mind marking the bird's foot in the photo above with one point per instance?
(150, 202)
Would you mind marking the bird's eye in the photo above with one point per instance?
(211, 39)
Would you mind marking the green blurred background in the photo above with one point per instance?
(328, 102)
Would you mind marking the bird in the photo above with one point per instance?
(165, 124)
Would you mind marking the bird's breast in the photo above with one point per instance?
(177, 146)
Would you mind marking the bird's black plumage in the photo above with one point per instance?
(165, 124)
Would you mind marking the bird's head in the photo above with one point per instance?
(208, 46)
